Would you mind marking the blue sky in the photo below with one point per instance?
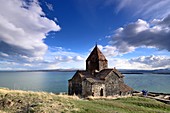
(59, 34)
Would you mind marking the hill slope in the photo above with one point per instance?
(39, 102)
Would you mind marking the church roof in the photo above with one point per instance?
(82, 74)
(96, 54)
(124, 88)
(102, 74)
(117, 73)
(94, 80)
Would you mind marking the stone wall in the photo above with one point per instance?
(70, 92)
(112, 85)
(91, 66)
(98, 89)
(103, 65)
(86, 88)
(75, 86)
(121, 80)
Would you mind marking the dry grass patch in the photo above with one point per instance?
(16, 101)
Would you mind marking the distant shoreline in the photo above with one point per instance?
(67, 70)
(38, 70)
(131, 73)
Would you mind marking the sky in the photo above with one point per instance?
(60, 34)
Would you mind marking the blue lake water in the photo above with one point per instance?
(58, 81)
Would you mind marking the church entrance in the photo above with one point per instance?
(101, 92)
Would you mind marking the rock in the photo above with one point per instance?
(19, 101)
(6, 102)
(34, 105)
(167, 97)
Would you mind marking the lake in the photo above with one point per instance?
(58, 81)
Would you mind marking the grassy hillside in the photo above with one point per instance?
(13, 101)
(123, 105)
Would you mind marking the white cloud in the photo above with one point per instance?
(23, 27)
(49, 6)
(154, 8)
(58, 57)
(153, 61)
(142, 8)
(147, 9)
(63, 55)
(63, 58)
(122, 63)
(108, 50)
(78, 58)
(3, 54)
(122, 4)
(55, 19)
(114, 60)
(138, 34)
(141, 62)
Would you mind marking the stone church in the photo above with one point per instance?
(98, 79)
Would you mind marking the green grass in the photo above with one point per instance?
(13, 101)
(123, 105)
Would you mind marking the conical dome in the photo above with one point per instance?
(96, 54)
(96, 61)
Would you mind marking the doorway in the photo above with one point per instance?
(101, 92)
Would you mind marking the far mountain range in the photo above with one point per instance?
(157, 71)
(124, 71)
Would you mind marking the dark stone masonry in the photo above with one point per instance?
(98, 79)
